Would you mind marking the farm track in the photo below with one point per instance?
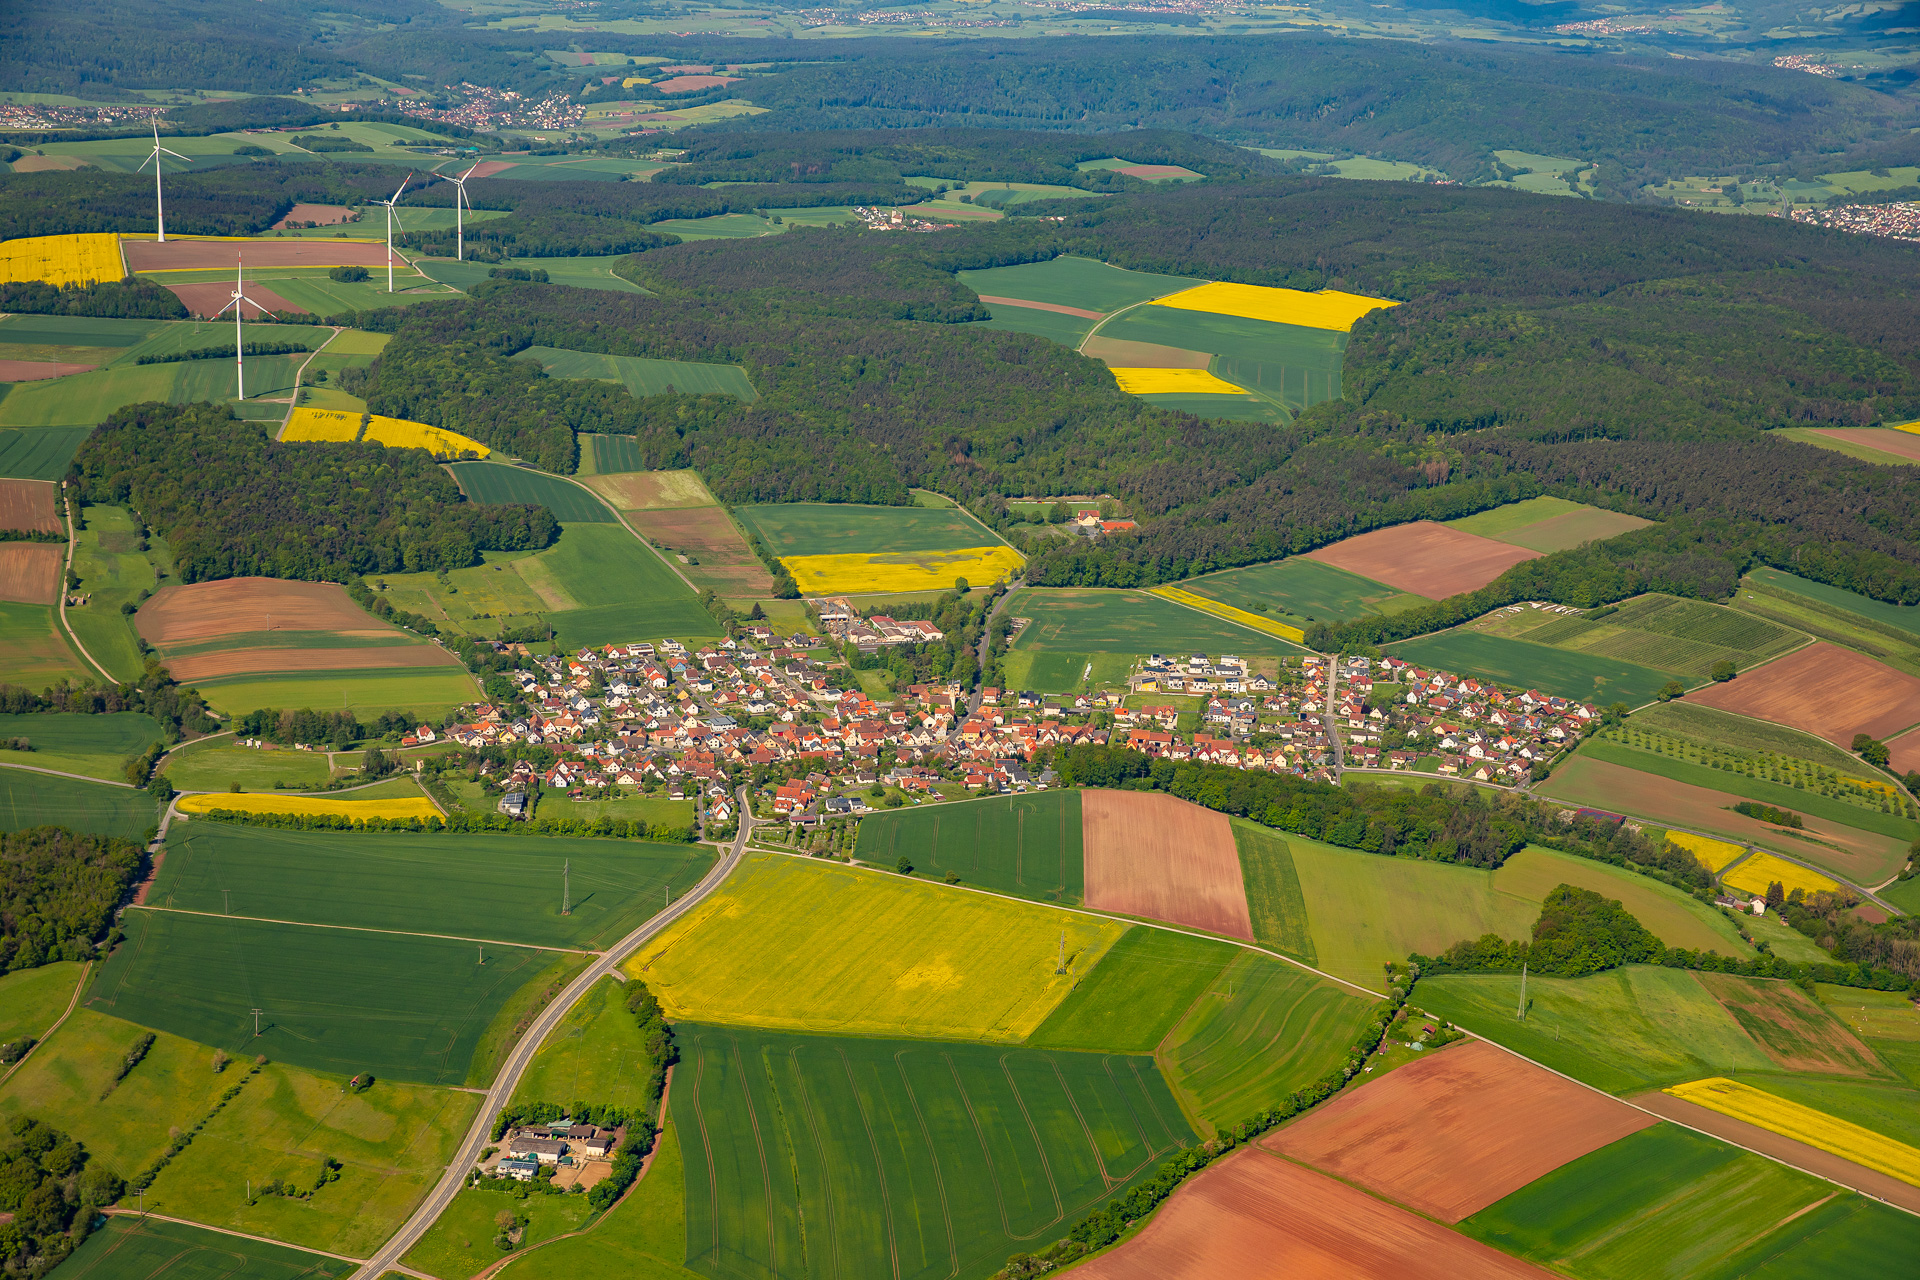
(56, 773)
(293, 400)
(356, 928)
(387, 1257)
(73, 544)
(73, 1002)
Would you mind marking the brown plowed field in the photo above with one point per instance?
(691, 84)
(30, 504)
(35, 370)
(710, 537)
(233, 662)
(1905, 753)
(187, 614)
(1254, 1216)
(1796, 1033)
(206, 299)
(487, 168)
(1119, 353)
(1424, 558)
(1155, 856)
(30, 571)
(1157, 171)
(1799, 1154)
(321, 215)
(1902, 444)
(200, 255)
(1452, 1133)
(1082, 312)
(1823, 689)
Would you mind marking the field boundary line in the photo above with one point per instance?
(73, 1002)
(118, 1212)
(57, 773)
(293, 402)
(359, 928)
(621, 516)
(73, 545)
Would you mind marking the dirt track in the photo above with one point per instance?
(1424, 558)
(206, 300)
(1452, 1133)
(30, 572)
(1823, 689)
(202, 255)
(1254, 1216)
(1156, 856)
(185, 614)
(30, 504)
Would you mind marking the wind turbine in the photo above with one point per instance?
(390, 218)
(459, 198)
(239, 352)
(159, 211)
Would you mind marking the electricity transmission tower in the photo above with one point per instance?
(566, 887)
(256, 1021)
(1520, 1014)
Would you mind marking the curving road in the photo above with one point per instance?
(390, 1253)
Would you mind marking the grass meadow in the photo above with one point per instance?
(84, 399)
(1275, 902)
(1515, 515)
(1624, 1031)
(405, 1007)
(460, 1242)
(1145, 984)
(128, 1247)
(884, 955)
(1303, 590)
(113, 572)
(38, 654)
(1682, 637)
(1904, 617)
(1071, 281)
(392, 1142)
(901, 1157)
(98, 746)
(1889, 1108)
(579, 273)
(36, 800)
(31, 1000)
(425, 691)
(1047, 671)
(1125, 622)
(645, 377)
(217, 765)
(42, 453)
(1524, 665)
(1027, 845)
(826, 529)
(506, 888)
(503, 482)
(596, 1054)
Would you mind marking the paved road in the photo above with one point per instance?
(986, 642)
(57, 773)
(1333, 732)
(504, 1084)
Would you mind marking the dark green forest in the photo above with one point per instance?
(58, 892)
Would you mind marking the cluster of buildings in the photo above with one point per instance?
(1807, 62)
(1894, 221)
(893, 219)
(94, 115)
(563, 1144)
(843, 623)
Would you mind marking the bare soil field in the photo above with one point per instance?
(1452, 1133)
(709, 537)
(1905, 752)
(205, 300)
(1823, 689)
(487, 168)
(1157, 171)
(1119, 353)
(1156, 856)
(1254, 1215)
(1901, 444)
(1798, 1154)
(1424, 558)
(691, 84)
(233, 662)
(186, 614)
(320, 215)
(35, 370)
(199, 255)
(1863, 857)
(1064, 310)
(30, 572)
(650, 490)
(1796, 1033)
(30, 504)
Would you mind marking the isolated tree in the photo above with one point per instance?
(1724, 670)
(904, 867)
(1870, 750)
(1672, 689)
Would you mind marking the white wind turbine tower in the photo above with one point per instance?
(459, 198)
(390, 219)
(159, 211)
(239, 351)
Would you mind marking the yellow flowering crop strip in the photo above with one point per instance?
(239, 802)
(1804, 1124)
(1913, 426)
(335, 425)
(1753, 876)
(1174, 382)
(1712, 854)
(1329, 309)
(863, 574)
(1231, 614)
(60, 260)
(322, 425)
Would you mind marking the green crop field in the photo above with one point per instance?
(392, 1141)
(85, 399)
(829, 529)
(31, 1000)
(218, 765)
(644, 377)
(424, 691)
(1520, 664)
(1024, 845)
(135, 1248)
(579, 273)
(36, 800)
(38, 654)
(1274, 900)
(1904, 617)
(1676, 918)
(1515, 515)
(901, 1157)
(1665, 1203)
(1126, 622)
(1687, 637)
(1136, 994)
(1044, 671)
(1303, 591)
(1624, 1031)
(405, 1007)
(460, 1242)
(40, 453)
(1070, 281)
(1235, 408)
(1068, 331)
(96, 745)
(612, 453)
(596, 1054)
(1261, 1030)
(618, 589)
(499, 482)
(885, 955)
(1888, 1108)
(505, 888)
(1291, 364)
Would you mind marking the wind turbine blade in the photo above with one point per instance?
(256, 306)
(468, 174)
(222, 311)
(176, 155)
(401, 189)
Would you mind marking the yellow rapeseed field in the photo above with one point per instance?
(1753, 875)
(1329, 309)
(1709, 853)
(1913, 426)
(804, 946)
(1174, 382)
(394, 433)
(1231, 614)
(334, 425)
(251, 803)
(862, 574)
(62, 259)
(1804, 1124)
